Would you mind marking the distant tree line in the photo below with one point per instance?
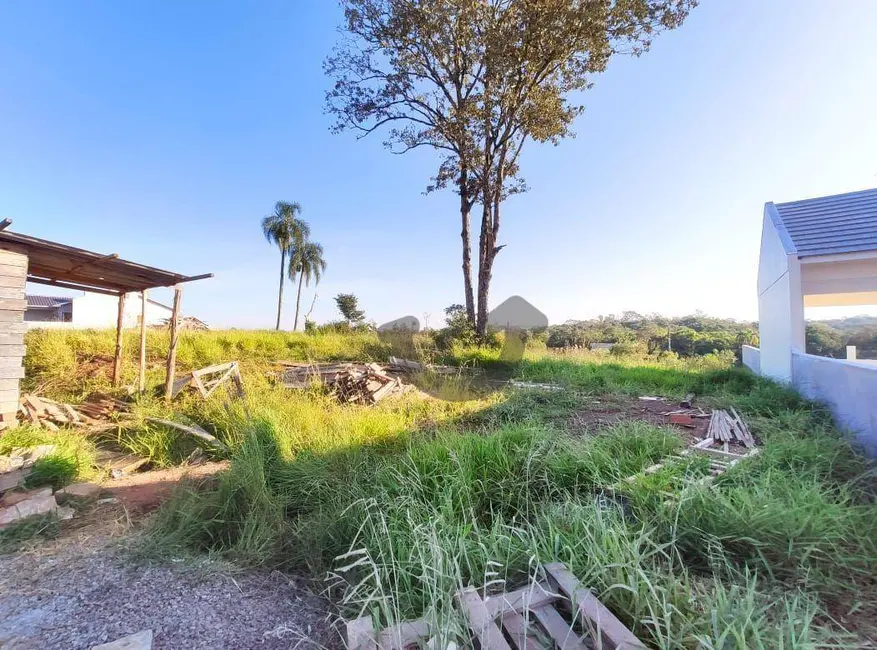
(830, 338)
(686, 336)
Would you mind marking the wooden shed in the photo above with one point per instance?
(28, 259)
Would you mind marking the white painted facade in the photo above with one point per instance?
(99, 311)
(789, 281)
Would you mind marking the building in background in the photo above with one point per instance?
(91, 310)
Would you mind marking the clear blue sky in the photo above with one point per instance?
(164, 131)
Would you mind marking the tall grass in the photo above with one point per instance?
(399, 505)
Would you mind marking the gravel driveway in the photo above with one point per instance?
(75, 595)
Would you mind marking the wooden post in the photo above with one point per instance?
(172, 350)
(142, 379)
(117, 358)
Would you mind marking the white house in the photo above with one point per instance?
(818, 253)
(90, 310)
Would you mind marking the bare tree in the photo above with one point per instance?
(475, 80)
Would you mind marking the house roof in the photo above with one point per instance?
(46, 302)
(843, 223)
(74, 268)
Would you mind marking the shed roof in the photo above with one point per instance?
(65, 266)
(46, 302)
(843, 223)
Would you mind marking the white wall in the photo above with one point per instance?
(752, 358)
(99, 311)
(848, 388)
(780, 304)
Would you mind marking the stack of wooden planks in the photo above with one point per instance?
(348, 382)
(726, 427)
(13, 272)
(49, 414)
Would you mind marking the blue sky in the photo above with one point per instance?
(164, 131)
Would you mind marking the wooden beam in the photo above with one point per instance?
(172, 350)
(73, 269)
(192, 278)
(117, 358)
(5, 224)
(141, 383)
(72, 285)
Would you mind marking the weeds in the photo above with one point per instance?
(402, 504)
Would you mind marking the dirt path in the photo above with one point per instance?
(83, 589)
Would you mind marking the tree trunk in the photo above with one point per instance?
(298, 301)
(280, 293)
(484, 273)
(465, 208)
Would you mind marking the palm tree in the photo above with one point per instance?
(288, 231)
(306, 261)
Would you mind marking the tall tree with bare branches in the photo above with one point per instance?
(477, 79)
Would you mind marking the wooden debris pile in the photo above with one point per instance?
(348, 382)
(726, 427)
(49, 414)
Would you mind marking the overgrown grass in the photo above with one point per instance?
(399, 505)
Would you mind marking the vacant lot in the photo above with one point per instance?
(390, 509)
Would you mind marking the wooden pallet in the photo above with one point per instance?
(559, 612)
(720, 462)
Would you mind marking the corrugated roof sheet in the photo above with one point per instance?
(844, 223)
(46, 302)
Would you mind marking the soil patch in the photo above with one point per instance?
(606, 410)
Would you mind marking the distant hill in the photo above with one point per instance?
(830, 338)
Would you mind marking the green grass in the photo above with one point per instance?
(398, 506)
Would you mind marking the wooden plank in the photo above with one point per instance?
(404, 635)
(12, 292)
(12, 269)
(535, 594)
(175, 339)
(10, 362)
(720, 454)
(141, 374)
(13, 258)
(522, 635)
(10, 329)
(219, 367)
(8, 384)
(361, 634)
(10, 316)
(13, 304)
(480, 622)
(12, 338)
(8, 350)
(193, 430)
(9, 396)
(594, 615)
(11, 372)
(12, 281)
(558, 629)
(117, 355)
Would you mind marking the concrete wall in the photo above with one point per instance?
(780, 303)
(752, 358)
(848, 388)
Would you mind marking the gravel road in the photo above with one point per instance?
(76, 595)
